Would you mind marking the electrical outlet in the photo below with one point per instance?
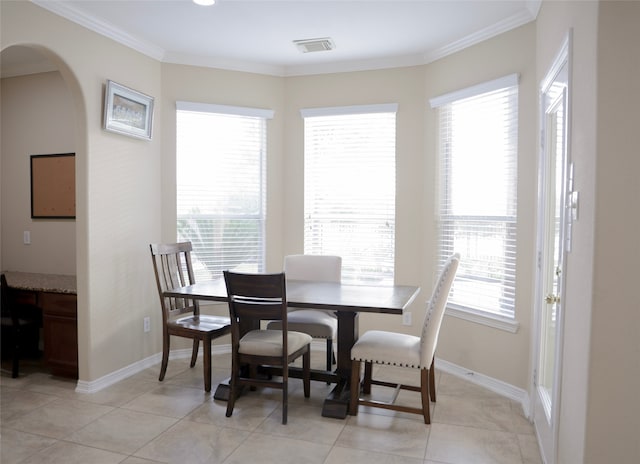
(406, 318)
(147, 324)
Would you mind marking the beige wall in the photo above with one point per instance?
(125, 196)
(37, 118)
(493, 352)
(613, 406)
(599, 406)
(127, 186)
(554, 23)
(117, 188)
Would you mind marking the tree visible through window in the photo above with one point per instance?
(220, 177)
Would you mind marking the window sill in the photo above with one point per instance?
(497, 322)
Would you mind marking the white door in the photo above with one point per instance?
(554, 233)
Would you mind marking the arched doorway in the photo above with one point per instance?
(43, 113)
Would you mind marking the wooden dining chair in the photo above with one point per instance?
(23, 322)
(318, 323)
(254, 298)
(402, 350)
(181, 317)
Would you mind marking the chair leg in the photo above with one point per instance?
(15, 363)
(285, 392)
(329, 354)
(165, 356)
(424, 393)
(233, 386)
(355, 387)
(306, 373)
(194, 352)
(432, 381)
(366, 383)
(206, 346)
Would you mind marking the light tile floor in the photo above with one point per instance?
(140, 420)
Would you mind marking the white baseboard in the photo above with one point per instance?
(497, 386)
(132, 369)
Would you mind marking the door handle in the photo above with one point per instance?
(552, 299)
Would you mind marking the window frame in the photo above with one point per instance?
(232, 111)
(354, 260)
(470, 313)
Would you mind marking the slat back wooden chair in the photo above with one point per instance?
(402, 350)
(317, 323)
(23, 322)
(254, 298)
(181, 317)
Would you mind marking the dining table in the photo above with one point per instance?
(346, 300)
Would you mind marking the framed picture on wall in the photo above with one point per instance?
(127, 111)
(53, 186)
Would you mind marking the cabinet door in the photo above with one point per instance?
(60, 333)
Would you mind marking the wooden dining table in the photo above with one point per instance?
(345, 299)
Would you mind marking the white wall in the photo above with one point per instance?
(37, 118)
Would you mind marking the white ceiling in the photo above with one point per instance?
(258, 35)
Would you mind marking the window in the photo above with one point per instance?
(477, 194)
(220, 176)
(349, 189)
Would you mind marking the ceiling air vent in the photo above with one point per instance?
(314, 45)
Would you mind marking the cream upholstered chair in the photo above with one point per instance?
(317, 323)
(252, 299)
(403, 350)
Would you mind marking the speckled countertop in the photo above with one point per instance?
(55, 283)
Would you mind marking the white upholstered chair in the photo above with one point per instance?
(396, 349)
(317, 323)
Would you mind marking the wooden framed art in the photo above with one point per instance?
(127, 111)
(53, 186)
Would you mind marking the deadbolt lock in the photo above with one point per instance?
(552, 299)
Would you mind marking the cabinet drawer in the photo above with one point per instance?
(59, 304)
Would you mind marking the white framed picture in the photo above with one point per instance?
(127, 111)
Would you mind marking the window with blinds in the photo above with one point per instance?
(349, 189)
(478, 140)
(220, 177)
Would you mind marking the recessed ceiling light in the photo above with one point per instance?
(204, 2)
(315, 45)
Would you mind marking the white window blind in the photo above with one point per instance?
(349, 189)
(220, 176)
(477, 194)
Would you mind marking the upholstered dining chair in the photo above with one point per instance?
(23, 322)
(396, 349)
(317, 323)
(254, 298)
(181, 317)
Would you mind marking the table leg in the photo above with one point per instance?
(337, 403)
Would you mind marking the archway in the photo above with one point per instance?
(21, 61)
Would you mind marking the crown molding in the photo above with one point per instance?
(512, 22)
(158, 53)
(103, 28)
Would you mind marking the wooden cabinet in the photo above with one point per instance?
(60, 332)
(55, 295)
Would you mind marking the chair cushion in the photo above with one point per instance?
(318, 324)
(269, 342)
(388, 348)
